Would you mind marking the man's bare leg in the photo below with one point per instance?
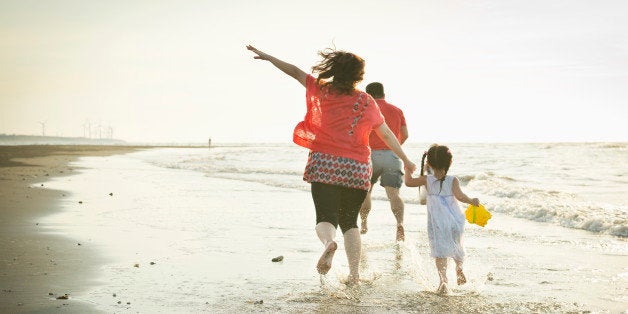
(397, 207)
(364, 211)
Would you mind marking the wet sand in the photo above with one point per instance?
(212, 240)
(176, 219)
(37, 267)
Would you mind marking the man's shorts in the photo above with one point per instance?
(387, 166)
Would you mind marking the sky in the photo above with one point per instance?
(178, 71)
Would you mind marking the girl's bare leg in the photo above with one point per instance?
(461, 278)
(441, 266)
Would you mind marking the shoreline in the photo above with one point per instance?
(187, 259)
(175, 217)
(36, 265)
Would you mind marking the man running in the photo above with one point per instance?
(385, 163)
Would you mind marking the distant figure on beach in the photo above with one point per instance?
(385, 163)
(445, 220)
(336, 128)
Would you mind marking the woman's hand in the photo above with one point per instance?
(260, 55)
(285, 67)
(475, 202)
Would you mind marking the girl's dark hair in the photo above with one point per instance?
(439, 157)
(340, 70)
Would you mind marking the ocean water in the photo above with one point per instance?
(195, 229)
(574, 185)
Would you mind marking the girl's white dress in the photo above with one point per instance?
(445, 221)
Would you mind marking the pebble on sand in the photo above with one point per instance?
(63, 297)
(110, 194)
(259, 302)
(278, 258)
(136, 265)
(80, 202)
(152, 263)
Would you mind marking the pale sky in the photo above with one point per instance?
(178, 71)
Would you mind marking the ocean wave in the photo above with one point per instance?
(613, 145)
(506, 187)
(522, 202)
(294, 185)
(246, 171)
(589, 217)
(211, 167)
(466, 178)
(509, 196)
(499, 193)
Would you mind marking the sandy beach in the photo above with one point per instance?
(36, 267)
(175, 238)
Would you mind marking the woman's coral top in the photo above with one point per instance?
(336, 124)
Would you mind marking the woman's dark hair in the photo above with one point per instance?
(439, 157)
(345, 70)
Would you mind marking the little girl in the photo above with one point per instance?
(445, 220)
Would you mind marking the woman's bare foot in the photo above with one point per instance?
(442, 289)
(324, 263)
(461, 278)
(401, 236)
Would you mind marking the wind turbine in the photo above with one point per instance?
(88, 124)
(43, 127)
(99, 126)
(85, 125)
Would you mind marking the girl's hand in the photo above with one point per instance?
(475, 202)
(260, 55)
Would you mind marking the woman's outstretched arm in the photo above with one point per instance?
(286, 67)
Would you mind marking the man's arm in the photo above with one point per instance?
(404, 134)
(384, 132)
(286, 67)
